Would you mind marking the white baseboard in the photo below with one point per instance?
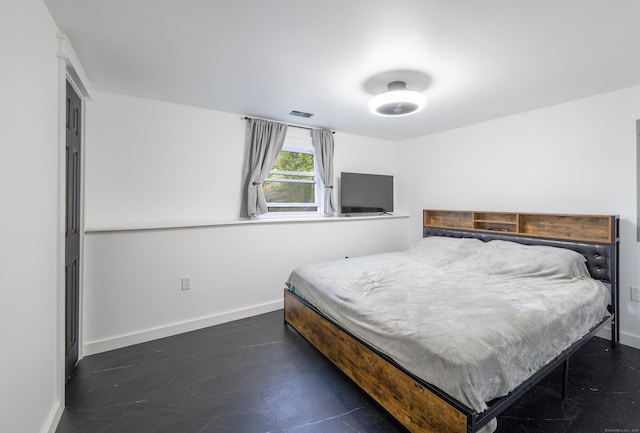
(625, 338)
(630, 340)
(99, 346)
(51, 424)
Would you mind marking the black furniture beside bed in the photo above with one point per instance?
(419, 405)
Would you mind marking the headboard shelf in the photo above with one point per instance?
(449, 219)
(588, 228)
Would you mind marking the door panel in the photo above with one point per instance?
(72, 229)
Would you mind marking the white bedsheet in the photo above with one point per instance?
(475, 319)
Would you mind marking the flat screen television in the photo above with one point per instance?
(366, 193)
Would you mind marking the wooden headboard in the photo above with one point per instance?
(588, 228)
(596, 237)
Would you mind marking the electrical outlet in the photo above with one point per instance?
(635, 294)
(185, 283)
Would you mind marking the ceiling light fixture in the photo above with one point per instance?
(397, 101)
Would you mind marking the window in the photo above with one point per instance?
(293, 183)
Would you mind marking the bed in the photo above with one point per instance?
(448, 333)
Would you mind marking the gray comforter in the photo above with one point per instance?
(475, 319)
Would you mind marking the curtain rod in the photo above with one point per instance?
(288, 124)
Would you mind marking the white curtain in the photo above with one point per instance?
(322, 140)
(265, 140)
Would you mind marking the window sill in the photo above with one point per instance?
(259, 220)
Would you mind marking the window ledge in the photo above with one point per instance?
(263, 220)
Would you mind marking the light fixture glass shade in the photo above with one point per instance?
(397, 101)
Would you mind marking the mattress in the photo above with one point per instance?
(473, 318)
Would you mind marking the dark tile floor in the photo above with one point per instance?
(259, 376)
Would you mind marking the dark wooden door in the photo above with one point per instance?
(72, 230)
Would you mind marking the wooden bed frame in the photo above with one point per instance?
(418, 405)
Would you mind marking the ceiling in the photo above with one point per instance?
(473, 60)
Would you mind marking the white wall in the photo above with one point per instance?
(132, 286)
(150, 163)
(578, 157)
(30, 377)
(155, 164)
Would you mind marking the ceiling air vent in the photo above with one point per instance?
(300, 114)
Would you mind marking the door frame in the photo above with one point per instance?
(69, 69)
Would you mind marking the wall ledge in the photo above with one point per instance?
(266, 220)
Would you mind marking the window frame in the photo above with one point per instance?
(299, 143)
